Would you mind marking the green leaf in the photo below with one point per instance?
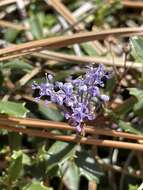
(26, 160)
(15, 166)
(62, 75)
(128, 127)
(138, 107)
(137, 48)
(89, 49)
(70, 173)
(50, 20)
(58, 153)
(13, 108)
(36, 23)
(110, 85)
(36, 186)
(50, 113)
(18, 64)
(133, 187)
(88, 167)
(1, 78)
(138, 93)
(126, 107)
(105, 10)
(14, 140)
(11, 34)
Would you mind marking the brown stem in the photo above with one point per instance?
(38, 123)
(132, 4)
(92, 185)
(82, 140)
(62, 41)
(116, 168)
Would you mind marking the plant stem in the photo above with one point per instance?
(82, 140)
(42, 124)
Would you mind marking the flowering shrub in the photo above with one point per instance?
(78, 98)
(38, 150)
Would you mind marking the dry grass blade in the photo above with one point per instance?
(28, 76)
(84, 59)
(7, 24)
(133, 4)
(63, 41)
(38, 123)
(82, 11)
(75, 139)
(16, 55)
(59, 7)
(6, 2)
(68, 16)
(10, 8)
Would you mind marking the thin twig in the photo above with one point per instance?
(23, 15)
(92, 185)
(59, 7)
(113, 60)
(6, 2)
(117, 168)
(38, 123)
(132, 4)
(45, 54)
(68, 16)
(75, 139)
(28, 76)
(63, 41)
(76, 47)
(11, 8)
(15, 26)
(127, 162)
(82, 10)
(140, 159)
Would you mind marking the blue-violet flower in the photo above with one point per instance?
(78, 98)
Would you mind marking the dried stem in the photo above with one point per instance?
(62, 41)
(28, 76)
(59, 7)
(84, 9)
(38, 123)
(68, 16)
(92, 185)
(6, 2)
(15, 26)
(127, 162)
(132, 4)
(75, 139)
(117, 168)
(84, 59)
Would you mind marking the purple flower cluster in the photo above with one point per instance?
(78, 98)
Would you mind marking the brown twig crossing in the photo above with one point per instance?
(63, 41)
(43, 124)
(75, 139)
(8, 123)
